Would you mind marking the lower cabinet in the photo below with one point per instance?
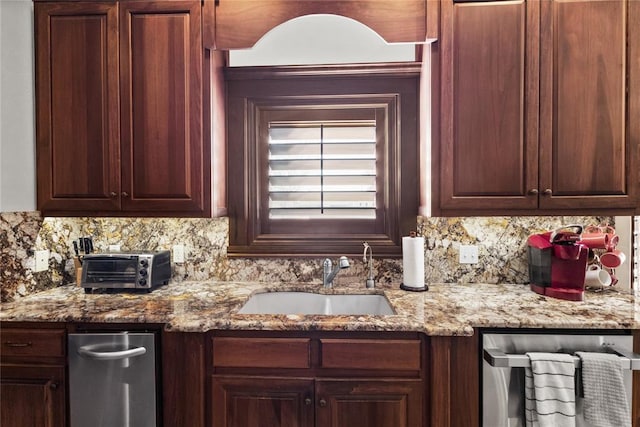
(305, 402)
(32, 384)
(32, 395)
(365, 402)
(262, 401)
(317, 380)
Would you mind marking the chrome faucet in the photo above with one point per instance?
(369, 283)
(329, 273)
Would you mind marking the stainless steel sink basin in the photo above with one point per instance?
(309, 303)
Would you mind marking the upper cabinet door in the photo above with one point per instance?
(161, 93)
(588, 136)
(241, 23)
(488, 118)
(77, 107)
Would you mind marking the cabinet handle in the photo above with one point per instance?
(113, 194)
(18, 344)
(547, 192)
(307, 401)
(124, 194)
(533, 192)
(323, 403)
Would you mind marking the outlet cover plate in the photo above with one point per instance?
(468, 254)
(42, 260)
(178, 253)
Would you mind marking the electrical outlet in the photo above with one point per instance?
(114, 248)
(468, 254)
(42, 260)
(178, 253)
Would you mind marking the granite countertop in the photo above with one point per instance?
(446, 309)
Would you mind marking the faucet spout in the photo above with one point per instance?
(369, 283)
(329, 272)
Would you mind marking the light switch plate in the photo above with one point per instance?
(178, 253)
(42, 260)
(468, 254)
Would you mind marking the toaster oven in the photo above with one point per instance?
(126, 270)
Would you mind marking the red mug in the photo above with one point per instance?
(598, 240)
(612, 259)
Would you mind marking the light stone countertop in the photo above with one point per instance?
(445, 310)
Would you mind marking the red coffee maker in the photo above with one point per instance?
(558, 263)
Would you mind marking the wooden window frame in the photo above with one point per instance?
(254, 91)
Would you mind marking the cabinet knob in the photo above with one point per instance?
(547, 192)
(533, 192)
(124, 194)
(307, 401)
(113, 194)
(53, 385)
(323, 403)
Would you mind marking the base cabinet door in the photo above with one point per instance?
(32, 396)
(264, 402)
(371, 403)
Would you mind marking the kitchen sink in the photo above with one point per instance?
(309, 303)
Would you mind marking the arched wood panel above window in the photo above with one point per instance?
(241, 23)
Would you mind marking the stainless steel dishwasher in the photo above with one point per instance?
(112, 379)
(504, 360)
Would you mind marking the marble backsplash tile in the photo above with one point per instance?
(501, 242)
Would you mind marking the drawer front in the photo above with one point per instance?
(370, 354)
(261, 352)
(37, 342)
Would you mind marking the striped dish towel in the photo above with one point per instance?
(605, 398)
(550, 397)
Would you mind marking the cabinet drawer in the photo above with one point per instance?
(37, 342)
(261, 352)
(370, 354)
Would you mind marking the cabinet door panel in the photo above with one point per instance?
(489, 105)
(77, 107)
(32, 396)
(371, 403)
(585, 148)
(264, 402)
(161, 76)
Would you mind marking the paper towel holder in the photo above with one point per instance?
(414, 288)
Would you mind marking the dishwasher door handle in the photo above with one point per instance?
(111, 355)
(499, 359)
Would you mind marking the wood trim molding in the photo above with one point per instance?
(285, 87)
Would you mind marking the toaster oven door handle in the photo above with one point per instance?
(499, 359)
(111, 355)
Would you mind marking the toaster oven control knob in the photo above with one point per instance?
(144, 262)
(142, 282)
(143, 272)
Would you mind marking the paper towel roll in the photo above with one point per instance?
(413, 262)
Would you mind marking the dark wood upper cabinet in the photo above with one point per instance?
(489, 105)
(536, 106)
(588, 150)
(119, 101)
(161, 94)
(78, 129)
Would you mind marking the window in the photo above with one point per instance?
(323, 169)
(322, 159)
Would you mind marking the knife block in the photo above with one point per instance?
(77, 263)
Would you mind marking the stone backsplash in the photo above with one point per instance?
(501, 242)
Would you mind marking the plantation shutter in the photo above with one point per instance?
(322, 170)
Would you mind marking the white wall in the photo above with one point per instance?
(17, 115)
